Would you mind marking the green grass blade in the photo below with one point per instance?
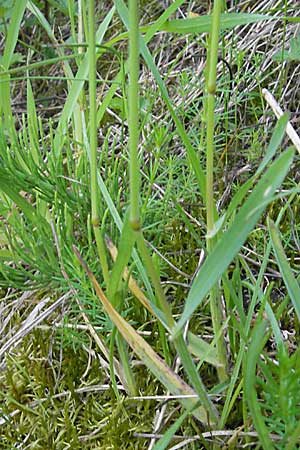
(13, 32)
(162, 19)
(194, 159)
(32, 124)
(78, 83)
(203, 350)
(45, 24)
(276, 139)
(151, 359)
(166, 438)
(124, 252)
(253, 353)
(232, 240)
(11, 41)
(285, 268)
(202, 24)
(6, 186)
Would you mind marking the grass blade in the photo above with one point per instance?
(124, 252)
(166, 438)
(78, 83)
(232, 240)
(123, 12)
(151, 359)
(285, 268)
(276, 139)
(13, 32)
(249, 385)
(202, 24)
(11, 41)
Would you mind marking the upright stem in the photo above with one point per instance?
(216, 310)
(179, 342)
(134, 113)
(93, 142)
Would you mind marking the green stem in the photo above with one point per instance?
(93, 143)
(133, 114)
(179, 342)
(215, 303)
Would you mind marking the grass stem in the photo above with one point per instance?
(93, 143)
(215, 304)
(133, 114)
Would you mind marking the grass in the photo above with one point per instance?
(149, 226)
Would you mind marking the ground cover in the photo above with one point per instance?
(149, 244)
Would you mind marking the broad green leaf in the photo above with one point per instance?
(285, 268)
(149, 357)
(202, 24)
(231, 241)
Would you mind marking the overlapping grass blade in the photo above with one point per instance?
(123, 12)
(32, 124)
(232, 239)
(124, 252)
(78, 82)
(11, 40)
(252, 357)
(13, 32)
(202, 24)
(276, 139)
(285, 269)
(150, 358)
(164, 441)
(197, 346)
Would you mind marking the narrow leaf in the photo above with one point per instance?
(200, 348)
(232, 240)
(123, 12)
(276, 139)
(124, 252)
(78, 82)
(166, 438)
(202, 24)
(285, 268)
(32, 124)
(249, 384)
(151, 359)
(13, 32)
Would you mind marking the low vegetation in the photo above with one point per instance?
(149, 233)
